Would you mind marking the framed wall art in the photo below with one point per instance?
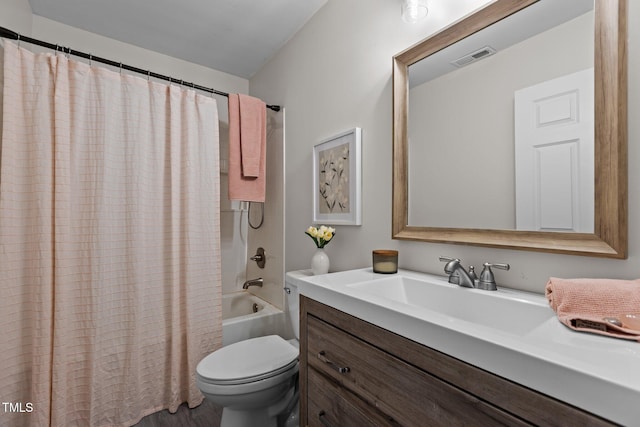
(337, 179)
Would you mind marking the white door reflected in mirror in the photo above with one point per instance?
(554, 155)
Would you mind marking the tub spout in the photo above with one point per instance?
(253, 282)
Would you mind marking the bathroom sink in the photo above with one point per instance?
(495, 309)
(510, 333)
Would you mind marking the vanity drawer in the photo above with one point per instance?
(332, 405)
(409, 395)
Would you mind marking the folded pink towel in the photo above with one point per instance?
(582, 304)
(247, 148)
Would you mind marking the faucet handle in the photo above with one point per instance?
(500, 266)
(487, 280)
(260, 257)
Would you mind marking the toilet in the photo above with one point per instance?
(256, 380)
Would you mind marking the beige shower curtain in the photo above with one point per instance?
(109, 243)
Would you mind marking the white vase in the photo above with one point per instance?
(320, 262)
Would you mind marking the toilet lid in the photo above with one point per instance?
(248, 360)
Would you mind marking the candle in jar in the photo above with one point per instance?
(385, 261)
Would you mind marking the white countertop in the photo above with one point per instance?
(598, 374)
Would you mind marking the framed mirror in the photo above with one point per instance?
(508, 178)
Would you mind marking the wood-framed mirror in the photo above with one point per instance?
(608, 236)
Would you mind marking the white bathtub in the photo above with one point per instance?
(240, 322)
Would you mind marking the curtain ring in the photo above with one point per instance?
(90, 59)
(148, 75)
(56, 50)
(68, 53)
(121, 68)
(18, 39)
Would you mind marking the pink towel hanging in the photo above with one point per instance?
(247, 148)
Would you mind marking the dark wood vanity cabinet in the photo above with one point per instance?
(353, 373)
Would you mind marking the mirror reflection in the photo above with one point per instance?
(500, 125)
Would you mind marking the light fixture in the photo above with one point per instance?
(414, 10)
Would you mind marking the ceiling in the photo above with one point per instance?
(234, 36)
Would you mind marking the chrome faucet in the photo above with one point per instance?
(459, 276)
(253, 282)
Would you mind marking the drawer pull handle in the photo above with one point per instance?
(322, 418)
(340, 369)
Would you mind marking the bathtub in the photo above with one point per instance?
(246, 316)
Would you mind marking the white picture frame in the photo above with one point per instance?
(337, 179)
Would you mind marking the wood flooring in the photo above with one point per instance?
(208, 414)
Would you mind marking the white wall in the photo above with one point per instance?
(336, 74)
(15, 15)
(55, 32)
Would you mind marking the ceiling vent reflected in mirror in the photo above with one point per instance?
(472, 57)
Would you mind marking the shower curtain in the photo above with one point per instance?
(110, 286)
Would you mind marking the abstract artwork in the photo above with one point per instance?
(337, 179)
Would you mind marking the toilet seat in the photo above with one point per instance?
(248, 361)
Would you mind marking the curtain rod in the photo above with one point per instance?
(8, 34)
